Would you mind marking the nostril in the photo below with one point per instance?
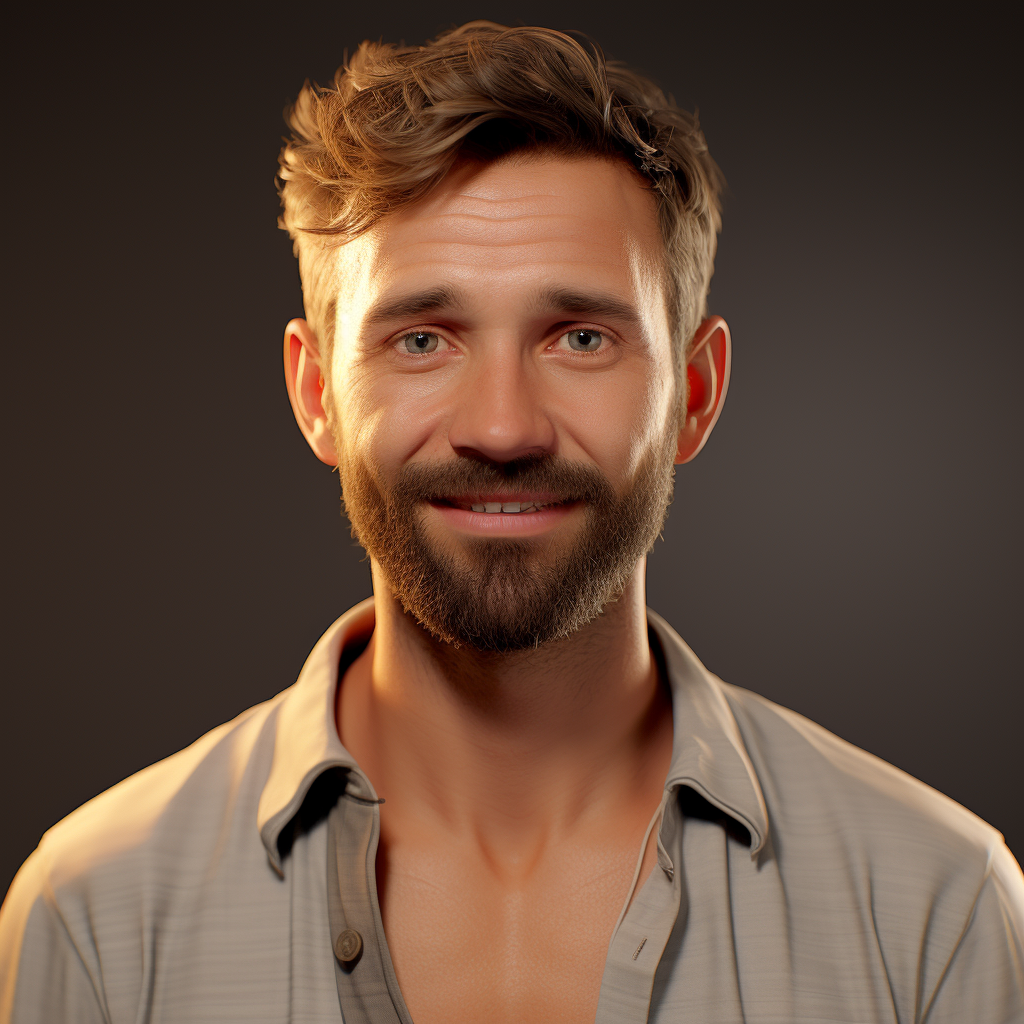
(493, 457)
(501, 439)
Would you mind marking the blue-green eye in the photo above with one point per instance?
(584, 341)
(419, 343)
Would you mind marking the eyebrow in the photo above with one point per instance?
(590, 304)
(411, 307)
(593, 305)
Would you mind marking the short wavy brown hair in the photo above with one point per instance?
(397, 118)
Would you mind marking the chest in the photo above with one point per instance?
(470, 942)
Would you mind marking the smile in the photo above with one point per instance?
(496, 503)
(503, 515)
(506, 507)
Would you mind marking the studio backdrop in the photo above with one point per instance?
(848, 544)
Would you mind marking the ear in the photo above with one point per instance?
(302, 374)
(707, 371)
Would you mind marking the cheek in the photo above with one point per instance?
(615, 418)
(385, 419)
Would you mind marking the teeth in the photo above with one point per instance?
(511, 507)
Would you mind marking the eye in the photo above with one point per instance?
(420, 343)
(583, 340)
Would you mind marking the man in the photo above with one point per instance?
(503, 790)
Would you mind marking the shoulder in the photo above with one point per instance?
(160, 829)
(813, 780)
(835, 809)
(141, 868)
(856, 840)
(183, 799)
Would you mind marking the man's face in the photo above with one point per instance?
(503, 396)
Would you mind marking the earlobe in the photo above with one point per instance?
(305, 382)
(707, 373)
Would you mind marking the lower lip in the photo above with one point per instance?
(505, 524)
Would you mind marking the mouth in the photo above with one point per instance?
(501, 504)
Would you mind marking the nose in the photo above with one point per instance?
(500, 409)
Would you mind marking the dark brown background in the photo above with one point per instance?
(848, 544)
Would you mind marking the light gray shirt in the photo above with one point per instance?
(799, 879)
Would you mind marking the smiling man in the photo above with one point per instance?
(503, 790)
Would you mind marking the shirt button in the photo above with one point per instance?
(348, 945)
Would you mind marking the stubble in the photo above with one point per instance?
(505, 595)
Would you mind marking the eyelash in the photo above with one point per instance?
(396, 341)
(586, 330)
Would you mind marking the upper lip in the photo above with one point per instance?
(484, 497)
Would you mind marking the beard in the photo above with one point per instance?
(508, 595)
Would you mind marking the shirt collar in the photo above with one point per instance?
(306, 741)
(708, 753)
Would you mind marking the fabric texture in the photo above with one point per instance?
(799, 881)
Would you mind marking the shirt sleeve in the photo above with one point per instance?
(984, 980)
(43, 976)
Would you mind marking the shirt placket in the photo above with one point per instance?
(643, 933)
(367, 986)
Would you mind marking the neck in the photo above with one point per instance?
(514, 745)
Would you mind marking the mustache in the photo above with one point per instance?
(568, 480)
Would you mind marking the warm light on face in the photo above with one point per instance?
(510, 324)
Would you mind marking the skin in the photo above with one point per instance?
(518, 787)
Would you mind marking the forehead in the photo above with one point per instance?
(494, 229)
